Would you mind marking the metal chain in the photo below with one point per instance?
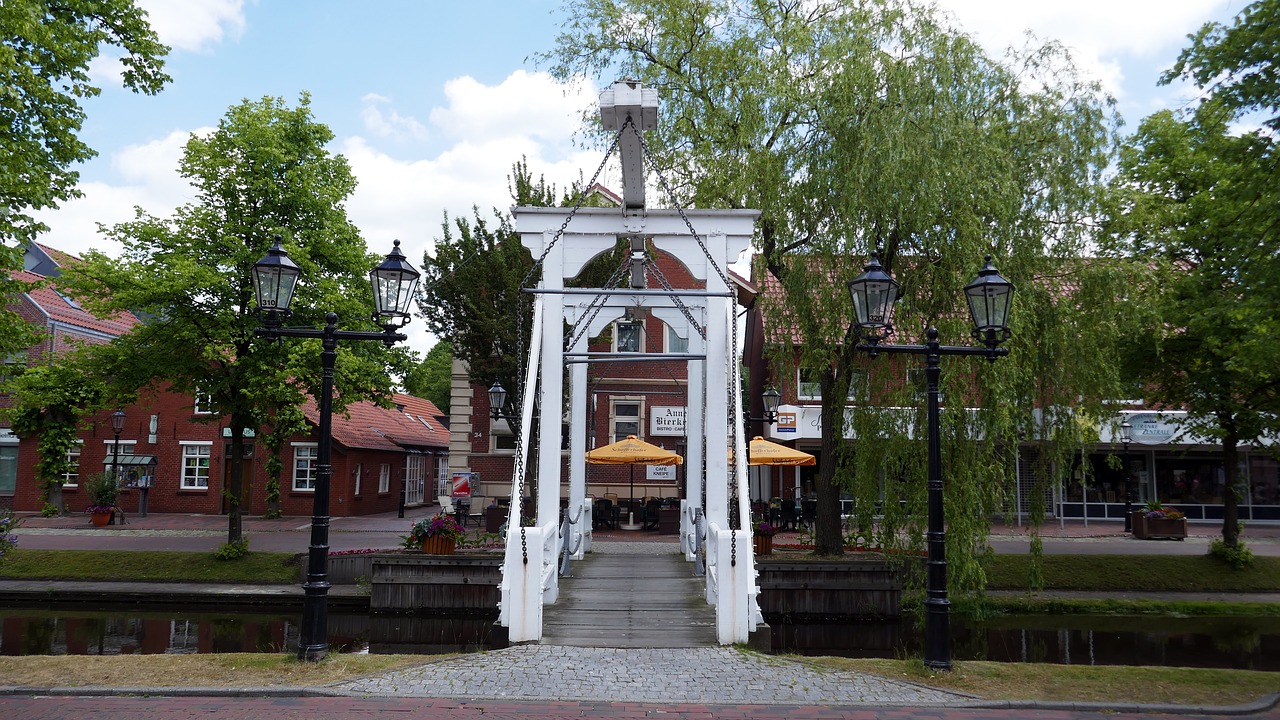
(662, 182)
(582, 198)
(595, 306)
(666, 285)
(735, 519)
(521, 306)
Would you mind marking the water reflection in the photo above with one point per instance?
(1244, 643)
(1228, 642)
(61, 632)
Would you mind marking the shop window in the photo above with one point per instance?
(305, 458)
(1264, 480)
(1190, 479)
(195, 466)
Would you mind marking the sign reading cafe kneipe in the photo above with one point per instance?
(666, 421)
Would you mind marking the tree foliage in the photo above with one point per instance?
(264, 170)
(44, 75)
(50, 403)
(433, 377)
(470, 295)
(862, 124)
(1197, 202)
(1237, 64)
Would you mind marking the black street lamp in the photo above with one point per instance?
(1126, 436)
(874, 293)
(275, 277)
(772, 399)
(117, 427)
(498, 402)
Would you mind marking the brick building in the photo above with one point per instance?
(177, 448)
(645, 399)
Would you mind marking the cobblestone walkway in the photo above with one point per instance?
(702, 675)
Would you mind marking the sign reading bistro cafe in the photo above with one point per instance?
(666, 421)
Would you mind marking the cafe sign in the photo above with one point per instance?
(667, 421)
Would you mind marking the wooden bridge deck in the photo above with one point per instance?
(617, 600)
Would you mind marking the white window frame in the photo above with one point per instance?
(807, 389)
(614, 404)
(384, 478)
(675, 343)
(202, 403)
(304, 476)
(638, 325)
(71, 478)
(444, 484)
(358, 477)
(191, 475)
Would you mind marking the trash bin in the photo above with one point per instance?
(493, 519)
(669, 521)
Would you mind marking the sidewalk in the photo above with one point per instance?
(201, 533)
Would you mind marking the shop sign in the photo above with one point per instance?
(1152, 429)
(667, 421)
(786, 422)
(662, 472)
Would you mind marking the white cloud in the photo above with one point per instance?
(149, 179)
(1103, 35)
(195, 25)
(530, 104)
(393, 125)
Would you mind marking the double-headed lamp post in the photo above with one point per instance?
(275, 277)
(874, 293)
(1126, 436)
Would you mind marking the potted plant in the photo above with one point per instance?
(762, 537)
(1157, 521)
(102, 491)
(438, 535)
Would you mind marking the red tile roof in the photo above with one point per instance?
(60, 308)
(367, 426)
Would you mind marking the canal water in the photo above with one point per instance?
(1243, 643)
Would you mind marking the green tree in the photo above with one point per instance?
(44, 73)
(49, 403)
(857, 125)
(470, 296)
(433, 377)
(1192, 203)
(1237, 64)
(265, 170)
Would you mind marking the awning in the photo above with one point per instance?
(128, 460)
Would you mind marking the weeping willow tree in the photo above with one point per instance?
(856, 125)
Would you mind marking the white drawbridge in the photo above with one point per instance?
(705, 241)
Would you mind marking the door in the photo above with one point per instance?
(8, 470)
(415, 467)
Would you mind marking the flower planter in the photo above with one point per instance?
(439, 545)
(100, 519)
(1145, 528)
(763, 544)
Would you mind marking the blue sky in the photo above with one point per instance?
(432, 101)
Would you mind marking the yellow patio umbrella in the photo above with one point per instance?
(632, 451)
(763, 452)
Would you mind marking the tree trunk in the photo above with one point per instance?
(827, 538)
(1230, 501)
(235, 482)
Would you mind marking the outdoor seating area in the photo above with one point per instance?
(642, 514)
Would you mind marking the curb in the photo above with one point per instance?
(1263, 704)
